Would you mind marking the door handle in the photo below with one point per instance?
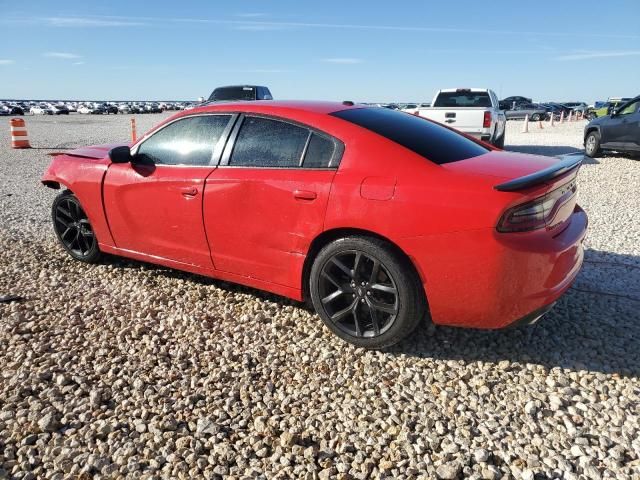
(304, 195)
(188, 191)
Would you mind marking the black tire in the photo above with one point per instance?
(535, 117)
(592, 144)
(500, 142)
(73, 229)
(378, 298)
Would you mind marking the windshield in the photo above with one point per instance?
(434, 142)
(233, 93)
(462, 99)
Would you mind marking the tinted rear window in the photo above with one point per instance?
(233, 93)
(462, 99)
(432, 141)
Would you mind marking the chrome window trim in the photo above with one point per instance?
(229, 147)
(217, 149)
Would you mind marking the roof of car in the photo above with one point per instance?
(319, 107)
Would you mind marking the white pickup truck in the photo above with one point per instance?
(473, 111)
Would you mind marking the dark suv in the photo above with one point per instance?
(620, 130)
(240, 92)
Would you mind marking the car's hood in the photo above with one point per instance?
(501, 164)
(93, 151)
(599, 120)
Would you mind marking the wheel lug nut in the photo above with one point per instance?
(354, 295)
(362, 301)
(368, 293)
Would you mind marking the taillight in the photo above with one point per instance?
(486, 123)
(537, 213)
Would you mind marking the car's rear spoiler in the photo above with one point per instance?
(566, 164)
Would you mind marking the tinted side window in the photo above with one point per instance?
(189, 141)
(263, 142)
(432, 141)
(319, 152)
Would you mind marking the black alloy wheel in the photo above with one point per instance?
(358, 294)
(366, 292)
(73, 228)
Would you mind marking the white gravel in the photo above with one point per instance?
(128, 370)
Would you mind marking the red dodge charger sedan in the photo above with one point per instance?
(378, 217)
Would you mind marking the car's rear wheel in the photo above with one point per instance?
(592, 144)
(73, 229)
(365, 292)
(535, 117)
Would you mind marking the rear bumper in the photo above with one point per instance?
(486, 279)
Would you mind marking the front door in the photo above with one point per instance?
(267, 200)
(617, 130)
(154, 205)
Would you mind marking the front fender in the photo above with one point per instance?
(84, 177)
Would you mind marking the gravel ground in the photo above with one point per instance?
(127, 370)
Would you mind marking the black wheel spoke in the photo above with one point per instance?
(65, 212)
(82, 241)
(332, 296)
(375, 270)
(356, 265)
(356, 321)
(374, 319)
(62, 221)
(64, 234)
(344, 312)
(384, 288)
(391, 309)
(332, 280)
(342, 267)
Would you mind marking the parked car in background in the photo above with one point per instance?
(430, 213)
(474, 111)
(620, 130)
(511, 102)
(85, 109)
(11, 110)
(110, 108)
(535, 112)
(412, 107)
(58, 109)
(240, 92)
(41, 110)
(577, 106)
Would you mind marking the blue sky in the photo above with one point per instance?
(358, 50)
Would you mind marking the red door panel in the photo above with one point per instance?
(260, 221)
(157, 210)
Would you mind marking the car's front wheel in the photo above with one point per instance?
(365, 292)
(535, 117)
(73, 229)
(592, 144)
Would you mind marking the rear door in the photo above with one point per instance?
(154, 205)
(267, 199)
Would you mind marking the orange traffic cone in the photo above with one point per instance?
(134, 136)
(19, 137)
(562, 116)
(525, 127)
(540, 124)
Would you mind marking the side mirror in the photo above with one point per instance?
(614, 112)
(120, 154)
